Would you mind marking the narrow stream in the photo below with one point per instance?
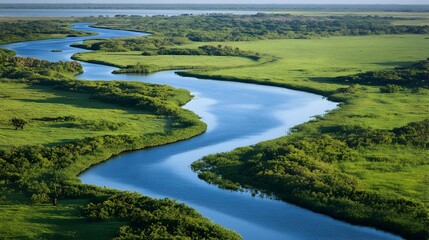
(237, 115)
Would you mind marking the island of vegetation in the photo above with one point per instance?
(366, 162)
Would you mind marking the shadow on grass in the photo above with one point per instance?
(328, 80)
(80, 100)
(395, 64)
(67, 222)
(80, 103)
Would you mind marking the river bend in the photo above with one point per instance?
(237, 114)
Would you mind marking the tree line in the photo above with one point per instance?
(229, 27)
(26, 30)
(209, 50)
(414, 76)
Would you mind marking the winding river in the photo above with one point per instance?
(237, 115)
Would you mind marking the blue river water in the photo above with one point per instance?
(237, 115)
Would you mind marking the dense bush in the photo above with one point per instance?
(155, 219)
(22, 30)
(390, 88)
(303, 170)
(416, 75)
(415, 133)
(31, 68)
(228, 27)
(350, 90)
(210, 51)
(147, 44)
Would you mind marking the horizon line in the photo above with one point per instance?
(333, 4)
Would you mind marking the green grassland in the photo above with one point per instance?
(22, 220)
(299, 62)
(34, 102)
(164, 62)
(311, 62)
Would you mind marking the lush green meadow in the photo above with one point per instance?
(311, 62)
(35, 102)
(164, 62)
(22, 220)
(299, 62)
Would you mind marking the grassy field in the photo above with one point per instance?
(299, 62)
(21, 220)
(310, 62)
(396, 169)
(35, 102)
(122, 59)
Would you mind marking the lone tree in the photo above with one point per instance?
(18, 123)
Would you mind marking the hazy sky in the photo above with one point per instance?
(229, 1)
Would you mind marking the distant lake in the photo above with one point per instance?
(106, 12)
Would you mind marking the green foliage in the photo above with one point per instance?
(139, 68)
(154, 219)
(228, 27)
(302, 170)
(25, 30)
(416, 75)
(18, 123)
(350, 90)
(147, 44)
(415, 133)
(21, 68)
(390, 88)
(210, 50)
